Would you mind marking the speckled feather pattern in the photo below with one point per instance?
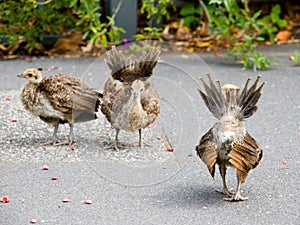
(57, 98)
(121, 108)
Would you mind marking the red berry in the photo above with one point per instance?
(45, 167)
(88, 202)
(170, 149)
(65, 200)
(33, 221)
(4, 199)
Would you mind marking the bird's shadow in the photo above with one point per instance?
(188, 196)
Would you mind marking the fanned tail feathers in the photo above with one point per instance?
(126, 69)
(243, 104)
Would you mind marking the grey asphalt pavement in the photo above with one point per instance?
(150, 186)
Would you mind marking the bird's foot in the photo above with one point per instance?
(56, 142)
(236, 197)
(115, 146)
(225, 191)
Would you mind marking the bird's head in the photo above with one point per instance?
(32, 75)
(137, 87)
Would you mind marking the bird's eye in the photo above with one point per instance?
(29, 74)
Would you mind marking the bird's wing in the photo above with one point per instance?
(206, 150)
(115, 95)
(126, 69)
(150, 102)
(245, 155)
(69, 94)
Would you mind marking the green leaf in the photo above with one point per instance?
(188, 9)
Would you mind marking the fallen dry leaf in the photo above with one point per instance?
(283, 35)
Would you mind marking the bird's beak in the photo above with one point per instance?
(21, 75)
(135, 94)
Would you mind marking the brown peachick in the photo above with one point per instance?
(228, 143)
(130, 101)
(59, 99)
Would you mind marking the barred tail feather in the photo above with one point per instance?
(126, 69)
(248, 99)
(213, 98)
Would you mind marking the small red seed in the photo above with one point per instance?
(170, 149)
(65, 200)
(4, 199)
(132, 145)
(190, 154)
(217, 54)
(54, 178)
(73, 148)
(45, 167)
(88, 202)
(158, 137)
(53, 68)
(7, 98)
(33, 221)
(150, 125)
(112, 126)
(283, 162)
(14, 120)
(97, 138)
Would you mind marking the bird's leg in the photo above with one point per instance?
(225, 190)
(54, 139)
(67, 141)
(237, 195)
(115, 144)
(116, 139)
(71, 134)
(141, 143)
(140, 139)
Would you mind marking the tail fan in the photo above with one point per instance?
(243, 104)
(126, 69)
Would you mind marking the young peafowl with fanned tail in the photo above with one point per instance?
(228, 143)
(130, 101)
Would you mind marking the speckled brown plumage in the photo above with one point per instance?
(130, 101)
(59, 99)
(227, 143)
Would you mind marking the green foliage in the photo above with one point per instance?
(26, 21)
(157, 9)
(149, 33)
(270, 23)
(241, 31)
(191, 15)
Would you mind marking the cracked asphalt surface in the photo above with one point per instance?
(150, 186)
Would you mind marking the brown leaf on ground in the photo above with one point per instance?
(68, 43)
(283, 35)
